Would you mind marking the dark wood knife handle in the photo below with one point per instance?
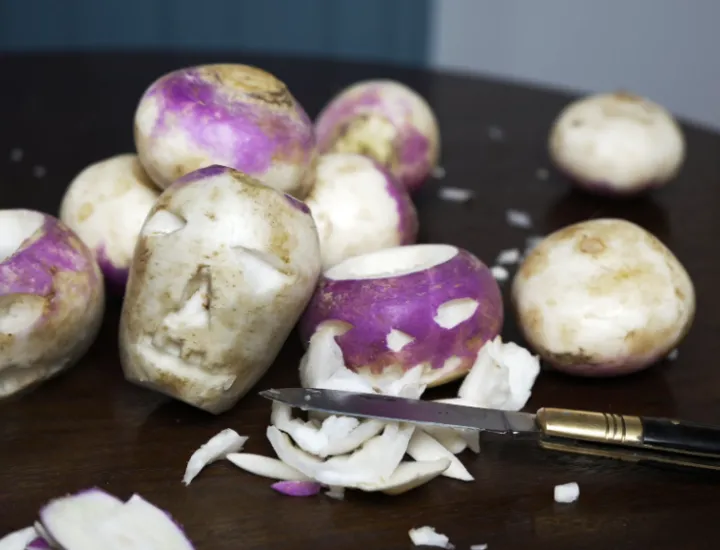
(680, 436)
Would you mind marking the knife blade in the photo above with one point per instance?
(639, 439)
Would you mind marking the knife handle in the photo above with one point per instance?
(662, 435)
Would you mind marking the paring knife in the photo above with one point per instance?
(638, 439)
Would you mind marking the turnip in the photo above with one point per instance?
(358, 208)
(233, 115)
(222, 271)
(617, 144)
(52, 299)
(387, 121)
(603, 297)
(106, 205)
(432, 305)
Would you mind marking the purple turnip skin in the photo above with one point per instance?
(232, 115)
(373, 307)
(106, 205)
(52, 299)
(387, 121)
(359, 208)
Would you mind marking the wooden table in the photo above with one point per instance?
(90, 428)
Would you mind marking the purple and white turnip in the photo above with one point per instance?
(617, 144)
(232, 115)
(358, 208)
(222, 271)
(603, 297)
(106, 205)
(52, 299)
(433, 305)
(387, 121)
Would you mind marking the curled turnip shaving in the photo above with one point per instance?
(305, 435)
(450, 438)
(478, 547)
(365, 431)
(18, 540)
(217, 447)
(502, 377)
(408, 385)
(408, 476)
(372, 463)
(470, 437)
(338, 427)
(297, 488)
(423, 447)
(566, 493)
(66, 519)
(266, 467)
(323, 356)
(427, 536)
(138, 524)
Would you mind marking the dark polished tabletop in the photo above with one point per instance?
(89, 427)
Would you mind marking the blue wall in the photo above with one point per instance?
(385, 30)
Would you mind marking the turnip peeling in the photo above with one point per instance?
(603, 297)
(502, 377)
(358, 208)
(52, 299)
(297, 488)
(266, 467)
(384, 120)
(233, 115)
(223, 269)
(18, 540)
(423, 447)
(617, 144)
(433, 305)
(94, 519)
(106, 205)
(217, 447)
(38, 543)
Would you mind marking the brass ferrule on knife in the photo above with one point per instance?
(630, 438)
(591, 426)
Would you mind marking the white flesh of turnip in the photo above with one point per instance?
(266, 467)
(427, 536)
(18, 540)
(217, 447)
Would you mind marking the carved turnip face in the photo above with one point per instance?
(223, 268)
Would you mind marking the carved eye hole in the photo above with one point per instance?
(163, 222)
(20, 312)
(262, 270)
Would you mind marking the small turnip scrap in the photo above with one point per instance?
(427, 536)
(223, 269)
(358, 208)
(106, 205)
(502, 377)
(384, 120)
(52, 299)
(433, 305)
(567, 492)
(617, 144)
(217, 447)
(18, 540)
(603, 297)
(233, 115)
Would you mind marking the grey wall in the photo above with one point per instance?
(393, 31)
(668, 50)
